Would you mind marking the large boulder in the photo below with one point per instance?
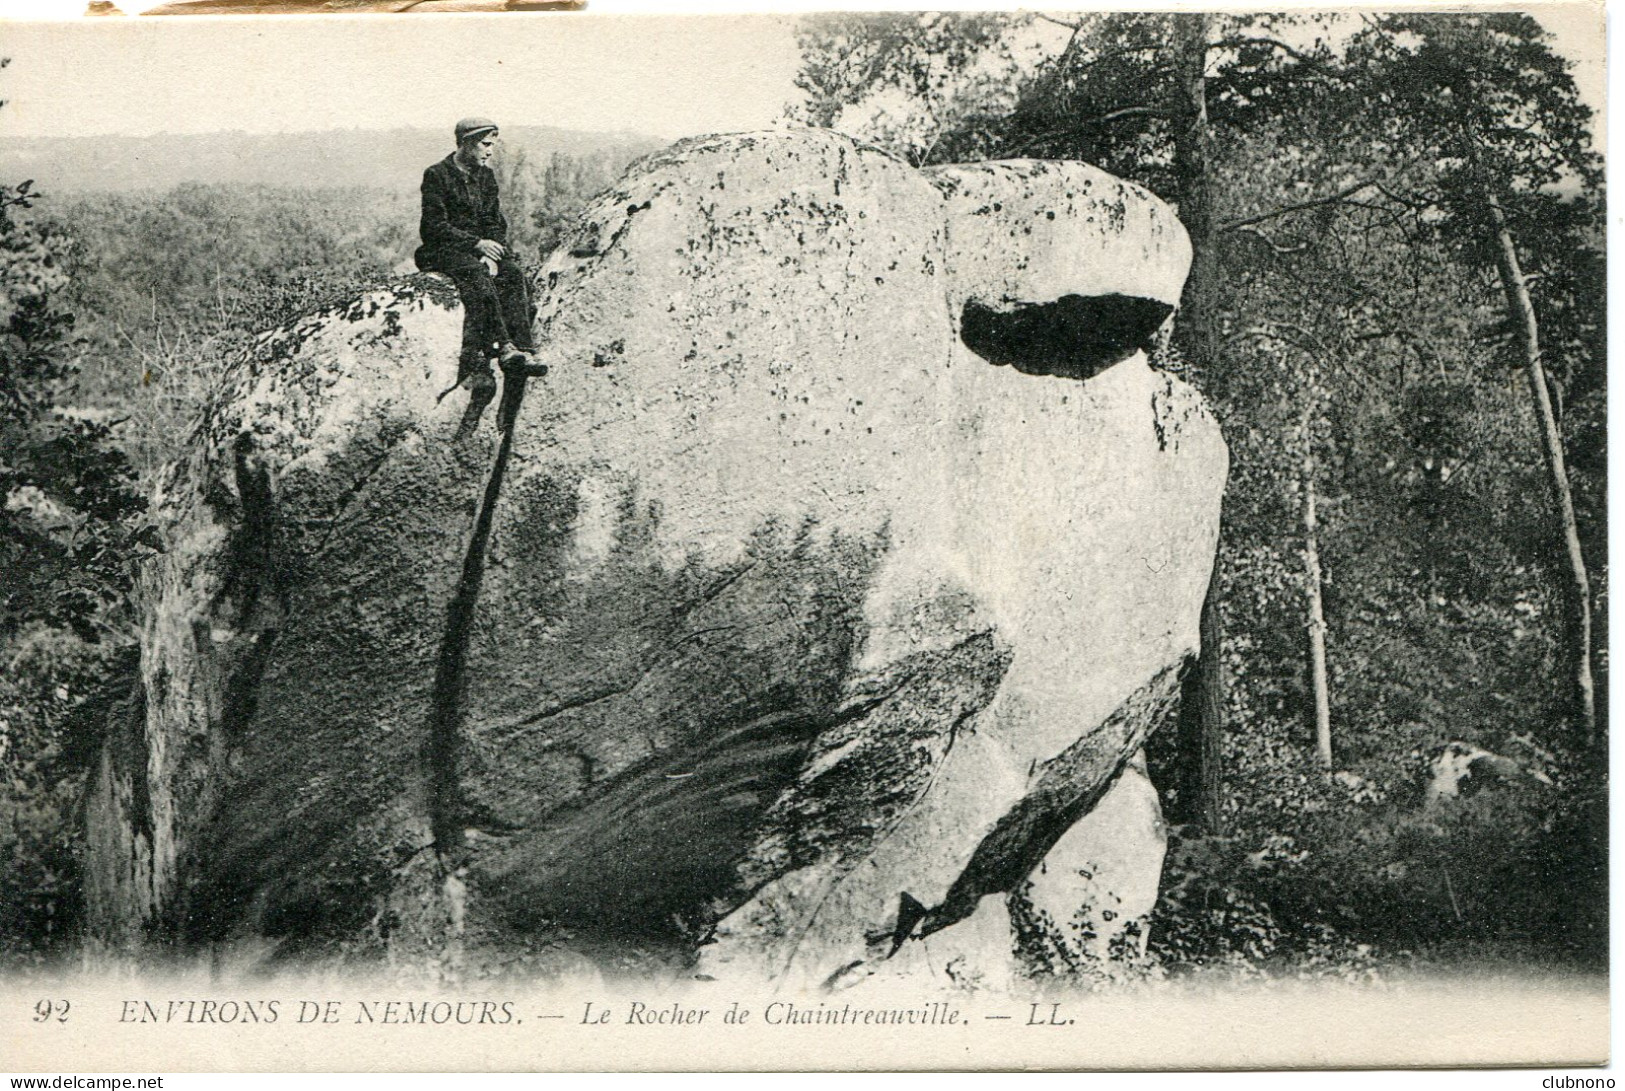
(780, 628)
(1460, 770)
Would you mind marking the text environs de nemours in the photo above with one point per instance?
(314, 1012)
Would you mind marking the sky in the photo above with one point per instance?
(605, 71)
(663, 77)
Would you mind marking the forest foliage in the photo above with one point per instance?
(1349, 319)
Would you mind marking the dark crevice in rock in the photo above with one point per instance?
(481, 389)
(114, 713)
(252, 562)
(1075, 337)
(513, 395)
(254, 567)
(1068, 786)
(242, 685)
(107, 739)
(135, 716)
(451, 671)
(252, 609)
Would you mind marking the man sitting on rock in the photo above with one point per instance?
(465, 237)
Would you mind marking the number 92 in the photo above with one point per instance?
(45, 1010)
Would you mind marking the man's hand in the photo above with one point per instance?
(493, 251)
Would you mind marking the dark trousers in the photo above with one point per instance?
(496, 309)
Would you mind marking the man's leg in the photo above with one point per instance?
(513, 294)
(518, 316)
(483, 329)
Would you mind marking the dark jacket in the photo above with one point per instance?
(457, 213)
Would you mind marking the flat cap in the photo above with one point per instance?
(474, 126)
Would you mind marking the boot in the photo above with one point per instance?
(516, 361)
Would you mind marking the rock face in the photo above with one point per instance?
(783, 634)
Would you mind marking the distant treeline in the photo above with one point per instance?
(374, 159)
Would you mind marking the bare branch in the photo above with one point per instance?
(1130, 111)
(1348, 191)
(1271, 243)
(1413, 201)
(1099, 119)
(1306, 59)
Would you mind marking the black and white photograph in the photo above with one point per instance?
(803, 540)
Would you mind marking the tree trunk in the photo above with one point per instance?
(1522, 309)
(1201, 724)
(1192, 174)
(1318, 685)
(1202, 702)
